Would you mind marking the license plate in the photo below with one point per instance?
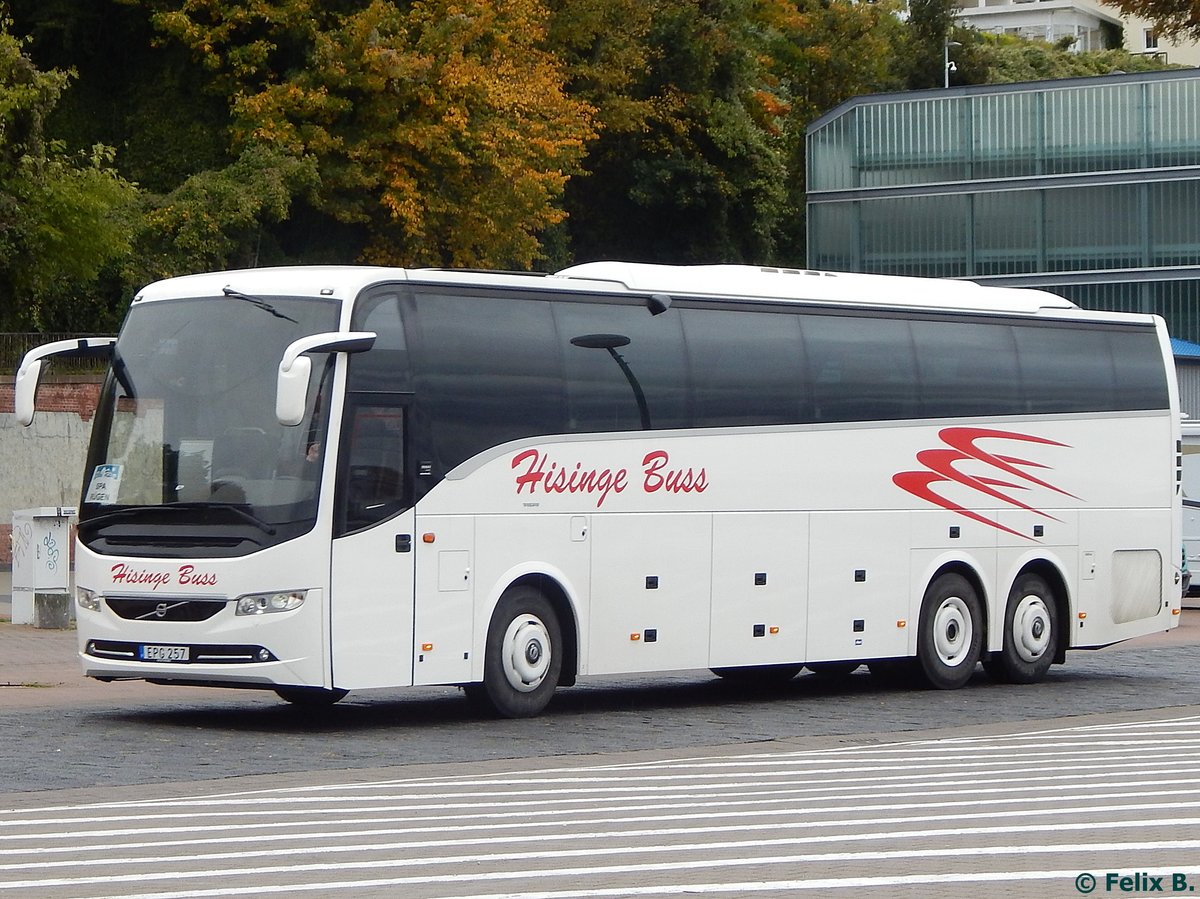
(153, 653)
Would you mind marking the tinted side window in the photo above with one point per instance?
(966, 368)
(747, 368)
(374, 479)
(1138, 367)
(861, 369)
(1065, 370)
(487, 369)
(622, 366)
(386, 365)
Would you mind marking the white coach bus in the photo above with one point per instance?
(315, 480)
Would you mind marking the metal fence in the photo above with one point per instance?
(14, 346)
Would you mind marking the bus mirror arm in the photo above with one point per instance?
(291, 391)
(30, 369)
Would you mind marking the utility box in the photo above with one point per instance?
(41, 566)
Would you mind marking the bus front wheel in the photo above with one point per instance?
(1030, 634)
(523, 661)
(950, 639)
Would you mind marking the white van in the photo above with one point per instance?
(1191, 500)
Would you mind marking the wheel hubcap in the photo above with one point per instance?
(952, 631)
(1031, 628)
(526, 653)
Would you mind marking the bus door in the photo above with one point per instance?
(371, 584)
(445, 596)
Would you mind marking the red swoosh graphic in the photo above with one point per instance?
(963, 442)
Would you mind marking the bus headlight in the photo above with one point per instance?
(88, 599)
(262, 603)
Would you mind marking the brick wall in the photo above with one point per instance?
(79, 396)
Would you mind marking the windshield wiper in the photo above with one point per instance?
(241, 513)
(256, 301)
(133, 511)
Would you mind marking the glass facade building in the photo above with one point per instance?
(1088, 187)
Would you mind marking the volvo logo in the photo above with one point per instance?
(161, 610)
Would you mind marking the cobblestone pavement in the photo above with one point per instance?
(1030, 811)
(62, 731)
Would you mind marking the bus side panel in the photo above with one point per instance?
(651, 582)
(759, 588)
(444, 619)
(1125, 583)
(858, 577)
(372, 608)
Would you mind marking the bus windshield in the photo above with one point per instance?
(186, 421)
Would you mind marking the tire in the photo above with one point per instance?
(310, 697)
(1030, 633)
(758, 675)
(524, 656)
(950, 639)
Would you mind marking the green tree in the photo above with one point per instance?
(928, 27)
(1005, 59)
(219, 218)
(689, 167)
(65, 218)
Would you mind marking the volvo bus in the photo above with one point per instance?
(321, 479)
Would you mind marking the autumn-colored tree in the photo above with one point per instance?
(1176, 19)
(64, 217)
(498, 133)
(441, 127)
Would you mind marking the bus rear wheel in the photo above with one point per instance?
(950, 639)
(1030, 634)
(524, 656)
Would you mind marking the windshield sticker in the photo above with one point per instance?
(105, 484)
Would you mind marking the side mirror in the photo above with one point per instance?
(31, 368)
(291, 388)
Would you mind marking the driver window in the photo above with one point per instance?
(373, 482)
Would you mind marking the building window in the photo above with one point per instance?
(1151, 39)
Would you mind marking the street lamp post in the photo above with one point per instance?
(947, 65)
